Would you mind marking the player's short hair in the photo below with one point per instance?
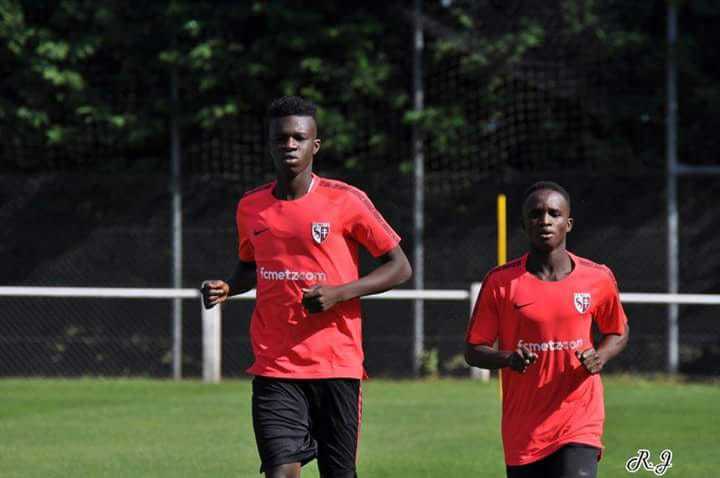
(549, 185)
(291, 106)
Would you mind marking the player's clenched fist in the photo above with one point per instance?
(320, 298)
(591, 360)
(214, 292)
(521, 359)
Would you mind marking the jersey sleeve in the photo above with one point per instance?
(483, 327)
(246, 251)
(610, 316)
(366, 225)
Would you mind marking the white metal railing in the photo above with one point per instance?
(653, 298)
(99, 292)
(212, 323)
(212, 318)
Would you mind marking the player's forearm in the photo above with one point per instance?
(484, 356)
(612, 345)
(388, 275)
(243, 278)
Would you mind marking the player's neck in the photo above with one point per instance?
(295, 187)
(551, 265)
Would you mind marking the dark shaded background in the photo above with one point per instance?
(520, 93)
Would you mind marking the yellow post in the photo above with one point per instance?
(502, 229)
(501, 250)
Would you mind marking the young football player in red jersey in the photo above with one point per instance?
(540, 308)
(298, 244)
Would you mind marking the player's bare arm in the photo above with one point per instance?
(611, 345)
(242, 280)
(486, 356)
(393, 270)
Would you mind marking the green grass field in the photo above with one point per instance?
(438, 428)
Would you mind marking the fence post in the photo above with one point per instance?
(475, 372)
(211, 345)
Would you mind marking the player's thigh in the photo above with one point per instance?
(281, 422)
(575, 461)
(291, 470)
(336, 426)
(539, 469)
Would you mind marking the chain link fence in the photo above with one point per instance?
(66, 234)
(101, 215)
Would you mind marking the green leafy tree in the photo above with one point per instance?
(81, 76)
(79, 68)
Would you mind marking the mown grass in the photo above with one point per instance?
(434, 428)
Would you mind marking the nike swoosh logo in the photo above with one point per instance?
(520, 306)
(257, 232)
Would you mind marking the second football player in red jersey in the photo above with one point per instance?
(298, 244)
(540, 309)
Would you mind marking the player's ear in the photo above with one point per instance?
(570, 223)
(316, 146)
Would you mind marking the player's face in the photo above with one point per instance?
(546, 219)
(293, 143)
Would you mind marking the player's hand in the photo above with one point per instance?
(521, 359)
(214, 292)
(320, 298)
(591, 360)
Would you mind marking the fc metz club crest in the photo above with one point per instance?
(582, 302)
(320, 231)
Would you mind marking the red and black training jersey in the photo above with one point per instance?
(556, 401)
(298, 244)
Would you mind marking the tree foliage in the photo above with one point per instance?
(76, 70)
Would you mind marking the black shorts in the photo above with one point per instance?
(298, 420)
(571, 461)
